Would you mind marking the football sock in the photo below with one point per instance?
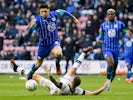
(129, 73)
(58, 63)
(113, 76)
(21, 71)
(33, 69)
(109, 72)
(78, 62)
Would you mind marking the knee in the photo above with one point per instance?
(58, 54)
(111, 64)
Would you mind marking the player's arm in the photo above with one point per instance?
(99, 39)
(98, 91)
(51, 77)
(32, 27)
(62, 12)
(123, 29)
(58, 84)
(121, 43)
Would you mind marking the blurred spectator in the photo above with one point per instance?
(129, 5)
(95, 25)
(26, 54)
(9, 55)
(120, 8)
(79, 40)
(100, 14)
(34, 39)
(34, 8)
(11, 31)
(69, 51)
(99, 55)
(89, 30)
(130, 24)
(88, 4)
(2, 24)
(87, 41)
(70, 8)
(125, 19)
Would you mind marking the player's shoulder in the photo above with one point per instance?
(104, 23)
(53, 12)
(119, 22)
(38, 17)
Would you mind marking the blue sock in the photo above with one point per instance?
(109, 71)
(33, 69)
(129, 73)
(58, 63)
(113, 73)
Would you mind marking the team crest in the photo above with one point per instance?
(128, 43)
(111, 33)
(51, 26)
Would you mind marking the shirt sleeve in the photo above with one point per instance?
(61, 12)
(123, 29)
(101, 33)
(79, 91)
(37, 20)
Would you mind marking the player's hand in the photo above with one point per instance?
(47, 70)
(77, 21)
(99, 42)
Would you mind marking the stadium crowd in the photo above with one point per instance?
(15, 15)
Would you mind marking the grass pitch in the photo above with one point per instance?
(12, 88)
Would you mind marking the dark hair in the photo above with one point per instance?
(77, 81)
(44, 6)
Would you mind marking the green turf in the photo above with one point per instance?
(12, 88)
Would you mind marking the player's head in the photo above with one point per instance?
(44, 10)
(129, 33)
(76, 81)
(111, 14)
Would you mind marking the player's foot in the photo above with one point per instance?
(13, 64)
(129, 80)
(29, 76)
(86, 50)
(47, 70)
(58, 72)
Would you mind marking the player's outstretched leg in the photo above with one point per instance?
(78, 62)
(16, 68)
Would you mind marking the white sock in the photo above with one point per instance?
(21, 71)
(78, 62)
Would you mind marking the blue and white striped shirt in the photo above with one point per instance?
(128, 46)
(47, 28)
(111, 34)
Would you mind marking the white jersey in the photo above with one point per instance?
(66, 80)
(65, 89)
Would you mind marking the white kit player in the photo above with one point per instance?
(68, 84)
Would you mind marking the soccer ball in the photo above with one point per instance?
(31, 85)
